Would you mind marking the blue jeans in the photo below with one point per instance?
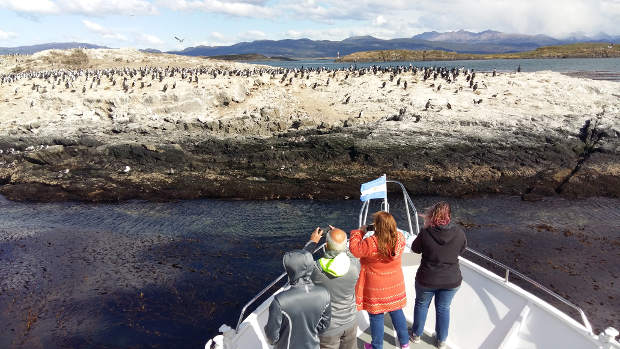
(423, 297)
(376, 328)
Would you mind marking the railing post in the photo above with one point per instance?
(228, 333)
(507, 275)
(608, 337)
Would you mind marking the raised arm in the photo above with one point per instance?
(416, 245)
(360, 247)
(464, 243)
(315, 237)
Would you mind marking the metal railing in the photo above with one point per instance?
(262, 292)
(409, 203)
(385, 207)
(509, 270)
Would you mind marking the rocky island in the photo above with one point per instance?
(579, 50)
(117, 124)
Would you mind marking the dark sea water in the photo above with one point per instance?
(527, 65)
(166, 275)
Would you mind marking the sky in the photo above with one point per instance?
(155, 23)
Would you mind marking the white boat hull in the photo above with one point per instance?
(487, 313)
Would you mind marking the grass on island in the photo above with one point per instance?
(581, 50)
(250, 57)
(74, 59)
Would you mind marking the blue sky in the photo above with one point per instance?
(154, 23)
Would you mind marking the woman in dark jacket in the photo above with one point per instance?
(439, 275)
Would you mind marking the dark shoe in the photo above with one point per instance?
(441, 345)
(414, 339)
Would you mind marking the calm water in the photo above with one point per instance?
(527, 65)
(164, 275)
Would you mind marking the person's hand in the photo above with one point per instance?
(426, 220)
(363, 228)
(317, 234)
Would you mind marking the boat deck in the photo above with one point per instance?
(506, 317)
(389, 338)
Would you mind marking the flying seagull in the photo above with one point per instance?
(178, 39)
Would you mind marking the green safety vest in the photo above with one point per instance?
(337, 266)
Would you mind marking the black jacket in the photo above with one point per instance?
(440, 248)
(298, 315)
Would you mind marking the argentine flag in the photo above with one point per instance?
(376, 189)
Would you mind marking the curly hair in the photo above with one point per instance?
(386, 233)
(439, 214)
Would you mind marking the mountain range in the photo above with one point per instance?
(461, 41)
(28, 50)
(488, 41)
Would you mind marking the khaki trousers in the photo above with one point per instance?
(345, 339)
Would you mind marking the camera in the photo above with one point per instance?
(370, 227)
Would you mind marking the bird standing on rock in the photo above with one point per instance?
(428, 105)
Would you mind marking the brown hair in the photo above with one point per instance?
(438, 214)
(386, 233)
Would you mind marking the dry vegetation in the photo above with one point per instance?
(583, 50)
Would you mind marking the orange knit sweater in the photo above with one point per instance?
(381, 285)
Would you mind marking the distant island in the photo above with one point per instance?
(251, 57)
(581, 50)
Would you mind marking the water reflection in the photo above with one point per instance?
(143, 274)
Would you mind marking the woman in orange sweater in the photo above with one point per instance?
(380, 288)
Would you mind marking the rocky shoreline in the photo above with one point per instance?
(251, 132)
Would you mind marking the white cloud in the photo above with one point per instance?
(33, 6)
(104, 32)
(240, 8)
(7, 35)
(83, 7)
(93, 26)
(105, 7)
(115, 36)
(150, 39)
(379, 20)
(404, 18)
(217, 35)
(253, 35)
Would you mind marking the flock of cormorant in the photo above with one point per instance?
(132, 79)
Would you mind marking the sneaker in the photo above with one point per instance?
(405, 346)
(367, 346)
(442, 345)
(414, 339)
